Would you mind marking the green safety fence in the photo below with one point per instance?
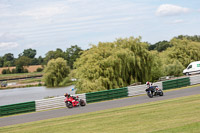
(17, 108)
(106, 95)
(176, 83)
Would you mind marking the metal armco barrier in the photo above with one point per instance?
(140, 89)
(195, 79)
(159, 84)
(50, 103)
(136, 90)
(17, 108)
(106, 95)
(176, 83)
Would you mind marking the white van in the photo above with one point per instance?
(192, 68)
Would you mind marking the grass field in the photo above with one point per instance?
(30, 80)
(32, 68)
(19, 75)
(26, 82)
(180, 115)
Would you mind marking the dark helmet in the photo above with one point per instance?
(66, 94)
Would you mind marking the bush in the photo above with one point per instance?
(39, 84)
(39, 69)
(8, 71)
(174, 69)
(13, 70)
(25, 71)
(4, 71)
(19, 69)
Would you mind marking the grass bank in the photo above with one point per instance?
(29, 82)
(168, 116)
(19, 75)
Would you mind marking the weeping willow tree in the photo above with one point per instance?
(184, 51)
(55, 72)
(177, 57)
(112, 65)
(157, 69)
(175, 69)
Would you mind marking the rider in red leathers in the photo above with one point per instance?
(68, 96)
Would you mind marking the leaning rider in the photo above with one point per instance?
(149, 86)
(67, 95)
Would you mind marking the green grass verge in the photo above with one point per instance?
(19, 75)
(29, 80)
(168, 116)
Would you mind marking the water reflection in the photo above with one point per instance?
(18, 95)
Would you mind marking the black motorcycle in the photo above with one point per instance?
(154, 91)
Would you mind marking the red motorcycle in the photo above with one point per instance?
(72, 101)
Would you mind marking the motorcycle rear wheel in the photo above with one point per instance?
(82, 102)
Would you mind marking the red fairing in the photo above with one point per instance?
(66, 99)
(72, 100)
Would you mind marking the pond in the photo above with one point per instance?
(18, 95)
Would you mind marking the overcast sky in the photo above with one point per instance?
(45, 25)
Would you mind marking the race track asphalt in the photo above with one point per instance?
(36, 116)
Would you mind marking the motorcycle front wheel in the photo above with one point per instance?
(161, 93)
(150, 94)
(69, 104)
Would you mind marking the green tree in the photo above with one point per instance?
(54, 55)
(7, 63)
(8, 60)
(184, 51)
(113, 65)
(72, 54)
(157, 70)
(152, 47)
(195, 38)
(160, 46)
(174, 69)
(55, 72)
(40, 60)
(8, 57)
(30, 53)
(1, 61)
(21, 62)
(177, 57)
(34, 61)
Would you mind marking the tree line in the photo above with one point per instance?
(27, 58)
(116, 64)
(125, 61)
